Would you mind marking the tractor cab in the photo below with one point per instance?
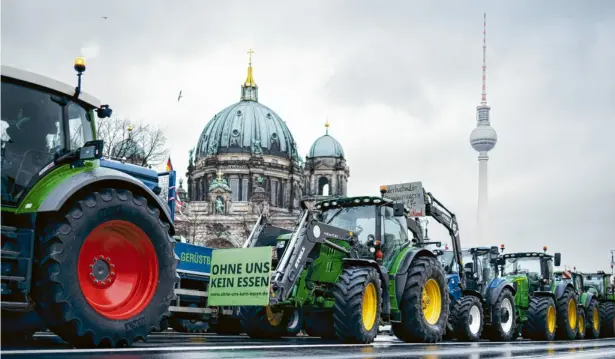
(596, 283)
(480, 267)
(45, 124)
(536, 266)
(379, 225)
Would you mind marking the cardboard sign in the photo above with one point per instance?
(410, 194)
(240, 276)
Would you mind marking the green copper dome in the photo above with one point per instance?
(247, 127)
(326, 146)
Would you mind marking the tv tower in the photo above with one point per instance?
(483, 139)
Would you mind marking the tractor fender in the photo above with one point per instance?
(496, 287)
(588, 298)
(384, 277)
(454, 286)
(97, 178)
(561, 287)
(402, 270)
(543, 293)
(472, 292)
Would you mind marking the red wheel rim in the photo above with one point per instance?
(118, 269)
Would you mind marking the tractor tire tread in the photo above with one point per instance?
(607, 320)
(563, 331)
(537, 326)
(494, 331)
(57, 305)
(592, 333)
(460, 317)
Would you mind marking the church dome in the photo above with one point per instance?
(247, 127)
(326, 146)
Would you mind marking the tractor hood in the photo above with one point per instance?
(146, 175)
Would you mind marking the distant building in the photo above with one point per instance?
(246, 162)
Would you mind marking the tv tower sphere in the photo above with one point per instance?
(483, 138)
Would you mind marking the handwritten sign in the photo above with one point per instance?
(240, 276)
(410, 194)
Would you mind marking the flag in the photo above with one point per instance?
(169, 165)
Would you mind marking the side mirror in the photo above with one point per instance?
(557, 259)
(104, 111)
(91, 150)
(398, 209)
(493, 254)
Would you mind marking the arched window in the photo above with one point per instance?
(323, 186)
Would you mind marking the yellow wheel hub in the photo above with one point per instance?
(572, 314)
(432, 302)
(551, 319)
(274, 318)
(581, 324)
(596, 319)
(369, 306)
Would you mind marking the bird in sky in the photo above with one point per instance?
(180, 95)
(105, 17)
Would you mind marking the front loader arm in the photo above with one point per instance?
(261, 222)
(448, 219)
(307, 235)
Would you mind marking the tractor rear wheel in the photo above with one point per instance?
(567, 326)
(425, 303)
(503, 318)
(358, 302)
(264, 322)
(593, 319)
(581, 324)
(541, 319)
(105, 270)
(320, 324)
(467, 319)
(607, 317)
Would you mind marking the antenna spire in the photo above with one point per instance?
(484, 92)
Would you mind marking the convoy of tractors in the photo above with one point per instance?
(89, 252)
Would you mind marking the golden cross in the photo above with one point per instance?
(250, 52)
(327, 126)
(219, 175)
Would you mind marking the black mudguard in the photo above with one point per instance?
(472, 292)
(493, 293)
(561, 288)
(98, 176)
(384, 277)
(402, 271)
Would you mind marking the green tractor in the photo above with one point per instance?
(87, 247)
(350, 267)
(599, 292)
(545, 309)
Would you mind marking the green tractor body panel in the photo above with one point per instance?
(33, 200)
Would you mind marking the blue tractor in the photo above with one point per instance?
(482, 305)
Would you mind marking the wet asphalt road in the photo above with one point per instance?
(170, 345)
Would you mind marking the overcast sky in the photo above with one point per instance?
(398, 80)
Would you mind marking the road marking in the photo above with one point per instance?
(432, 348)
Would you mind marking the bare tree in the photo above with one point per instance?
(188, 227)
(139, 143)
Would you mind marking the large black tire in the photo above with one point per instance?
(58, 292)
(188, 325)
(319, 324)
(263, 322)
(295, 323)
(228, 325)
(541, 319)
(358, 302)
(592, 318)
(503, 326)
(567, 310)
(581, 324)
(607, 320)
(414, 326)
(467, 319)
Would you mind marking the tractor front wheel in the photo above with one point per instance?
(264, 322)
(467, 319)
(567, 326)
(581, 323)
(503, 318)
(358, 301)
(105, 270)
(607, 317)
(425, 303)
(541, 319)
(593, 319)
